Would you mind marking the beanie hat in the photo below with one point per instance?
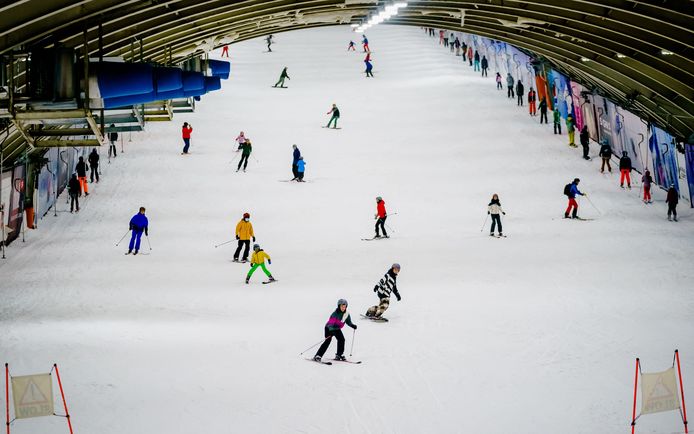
(341, 301)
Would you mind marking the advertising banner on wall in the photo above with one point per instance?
(662, 147)
(689, 154)
(48, 182)
(16, 205)
(577, 101)
(629, 134)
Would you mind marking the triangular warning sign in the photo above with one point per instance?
(660, 391)
(33, 395)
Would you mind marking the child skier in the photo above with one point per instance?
(571, 190)
(499, 86)
(283, 75)
(295, 160)
(241, 139)
(625, 170)
(333, 327)
(646, 181)
(494, 208)
(138, 224)
(672, 199)
(246, 150)
(186, 129)
(258, 260)
(300, 168)
(383, 288)
(380, 217)
(335, 116)
(244, 234)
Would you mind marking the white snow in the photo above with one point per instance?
(534, 333)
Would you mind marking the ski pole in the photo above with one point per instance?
(121, 238)
(150, 246)
(226, 242)
(256, 160)
(354, 332)
(313, 346)
(389, 228)
(485, 222)
(591, 202)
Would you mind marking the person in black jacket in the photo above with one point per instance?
(112, 137)
(81, 170)
(383, 289)
(625, 170)
(519, 92)
(543, 109)
(94, 165)
(605, 154)
(73, 188)
(672, 200)
(485, 66)
(585, 141)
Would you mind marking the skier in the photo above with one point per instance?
(584, 138)
(138, 224)
(520, 90)
(351, 46)
(571, 129)
(469, 55)
(605, 153)
(464, 48)
(368, 57)
(333, 327)
(369, 67)
(74, 188)
(494, 208)
(646, 181)
(383, 288)
(671, 200)
(81, 170)
(499, 86)
(509, 85)
(380, 217)
(258, 260)
(543, 109)
(445, 40)
(532, 96)
(625, 170)
(485, 66)
(246, 150)
(295, 159)
(300, 168)
(556, 119)
(268, 40)
(225, 51)
(457, 46)
(335, 116)
(244, 234)
(477, 61)
(185, 133)
(112, 137)
(94, 165)
(365, 43)
(571, 190)
(283, 75)
(241, 139)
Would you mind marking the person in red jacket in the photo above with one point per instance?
(532, 96)
(380, 217)
(185, 132)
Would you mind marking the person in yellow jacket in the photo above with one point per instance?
(244, 234)
(258, 260)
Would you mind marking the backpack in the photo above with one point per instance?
(567, 189)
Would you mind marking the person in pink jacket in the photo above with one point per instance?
(241, 139)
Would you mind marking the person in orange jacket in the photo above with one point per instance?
(244, 234)
(381, 216)
(532, 96)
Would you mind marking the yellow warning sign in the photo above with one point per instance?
(659, 392)
(32, 395)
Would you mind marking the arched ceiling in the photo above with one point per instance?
(638, 53)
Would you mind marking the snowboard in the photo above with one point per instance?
(316, 361)
(375, 238)
(374, 319)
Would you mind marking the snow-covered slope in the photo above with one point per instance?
(534, 333)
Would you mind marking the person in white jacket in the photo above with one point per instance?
(494, 209)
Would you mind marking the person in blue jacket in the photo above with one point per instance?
(369, 67)
(300, 168)
(572, 192)
(295, 160)
(138, 224)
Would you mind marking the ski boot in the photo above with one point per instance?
(129, 252)
(271, 279)
(316, 358)
(491, 234)
(135, 252)
(247, 279)
(340, 357)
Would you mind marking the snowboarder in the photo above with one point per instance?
(365, 43)
(94, 166)
(258, 260)
(646, 181)
(494, 208)
(244, 234)
(499, 86)
(81, 170)
(283, 75)
(246, 150)
(485, 66)
(509, 85)
(625, 170)
(333, 327)
(672, 199)
(241, 139)
(369, 67)
(351, 46)
(335, 116)
(605, 153)
(532, 96)
(571, 190)
(295, 159)
(112, 137)
(584, 138)
(185, 133)
(543, 109)
(383, 288)
(138, 224)
(380, 217)
(556, 119)
(571, 129)
(477, 61)
(268, 40)
(74, 188)
(520, 90)
(300, 168)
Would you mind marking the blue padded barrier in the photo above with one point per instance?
(160, 96)
(193, 81)
(220, 68)
(129, 100)
(212, 83)
(167, 79)
(120, 79)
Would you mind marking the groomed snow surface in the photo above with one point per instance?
(534, 333)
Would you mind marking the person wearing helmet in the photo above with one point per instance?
(625, 170)
(672, 199)
(258, 260)
(383, 288)
(380, 217)
(605, 153)
(244, 234)
(572, 192)
(333, 327)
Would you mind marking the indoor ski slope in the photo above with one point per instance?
(534, 333)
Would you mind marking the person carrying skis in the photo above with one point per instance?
(383, 288)
(584, 138)
(246, 150)
(81, 170)
(369, 68)
(477, 61)
(499, 86)
(532, 96)
(283, 75)
(493, 209)
(295, 159)
(74, 189)
(258, 260)
(94, 165)
(556, 118)
(672, 199)
(485, 66)
(351, 46)
(335, 116)
(520, 91)
(268, 40)
(543, 109)
(241, 139)
(185, 133)
(605, 153)
(333, 327)
(571, 190)
(301, 168)
(380, 217)
(509, 85)
(365, 43)
(571, 129)
(112, 137)
(138, 224)
(646, 181)
(244, 234)
(625, 170)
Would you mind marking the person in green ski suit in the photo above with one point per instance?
(557, 120)
(246, 149)
(283, 75)
(258, 260)
(336, 115)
